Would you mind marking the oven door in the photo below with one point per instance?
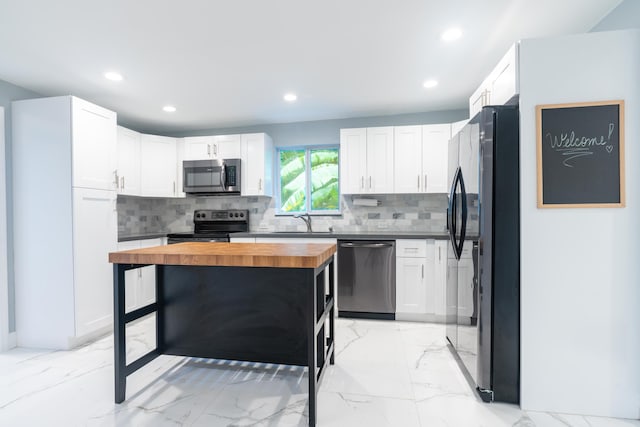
(188, 237)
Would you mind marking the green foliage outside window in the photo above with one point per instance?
(309, 177)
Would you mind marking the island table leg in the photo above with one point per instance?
(312, 348)
(120, 362)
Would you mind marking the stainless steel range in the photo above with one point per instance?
(213, 226)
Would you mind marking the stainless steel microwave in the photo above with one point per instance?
(211, 177)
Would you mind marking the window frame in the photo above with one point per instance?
(307, 156)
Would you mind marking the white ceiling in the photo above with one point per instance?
(226, 63)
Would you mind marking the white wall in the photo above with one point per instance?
(4, 285)
(580, 285)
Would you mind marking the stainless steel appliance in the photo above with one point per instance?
(483, 219)
(367, 279)
(211, 177)
(213, 226)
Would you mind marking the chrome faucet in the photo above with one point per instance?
(306, 220)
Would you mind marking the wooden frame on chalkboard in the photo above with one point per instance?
(580, 155)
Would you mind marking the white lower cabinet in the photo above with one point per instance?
(440, 281)
(420, 279)
(140, 284)
(242, 239)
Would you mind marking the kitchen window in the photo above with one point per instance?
(309, 180)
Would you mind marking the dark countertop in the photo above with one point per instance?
(353, 235)
(343, 235)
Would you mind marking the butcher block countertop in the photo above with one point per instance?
(285, 255)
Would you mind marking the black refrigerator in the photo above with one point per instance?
(483, 265)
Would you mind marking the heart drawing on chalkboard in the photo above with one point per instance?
(609, 148)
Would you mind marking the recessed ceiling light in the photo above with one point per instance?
(169, 109)
(113, 76)
(451, 34)
(430, 84)
(290, 97)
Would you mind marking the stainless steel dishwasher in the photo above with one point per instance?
(367, 279)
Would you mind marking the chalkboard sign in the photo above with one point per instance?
(581, 155)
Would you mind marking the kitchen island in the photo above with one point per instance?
(257, 302)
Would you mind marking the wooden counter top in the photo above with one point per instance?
(286, 255)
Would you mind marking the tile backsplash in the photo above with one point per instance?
(394, 212)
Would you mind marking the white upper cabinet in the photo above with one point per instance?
(227, 147)
(420, 158)
(197, 147)
(435, 140)
(380, 159)
(158, 166)
(353, 160)
(366, 160)
(408, 159)
(256, 165)
(128, 162)
(94, 145)
(212, 147)
(501, 84)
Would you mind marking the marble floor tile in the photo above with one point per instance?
(387, 374)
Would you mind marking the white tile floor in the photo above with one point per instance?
(386, 374)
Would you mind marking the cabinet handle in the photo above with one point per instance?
(174, 188)
(215, 150)
(115, 178)
(362, 182)
(122, 182)
(439, 258)
(418, 182)
(369, 182)
(423, 271)
(209, 150)
(260, 184)
(425, 182)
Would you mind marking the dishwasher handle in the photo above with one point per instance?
(366, 245)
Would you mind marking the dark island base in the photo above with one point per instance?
(206, 315)
(257, 314)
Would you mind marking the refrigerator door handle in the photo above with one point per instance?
(463, 230)
(452, 210)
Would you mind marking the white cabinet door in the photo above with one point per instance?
(411, 294)
(353, 160)
(380, 160)
(435, 140)
(147, 285)
(128, 162)
(198, 147)
(430, 277)
(440, 280)
(227, 147)
(407, 159)
(158, 166)
(257, 165)
(504, 78)
(242, 239)
(94, 146)
(94, 236)
(131, 278)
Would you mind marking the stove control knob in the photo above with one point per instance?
(241, 214)
(230, 215)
